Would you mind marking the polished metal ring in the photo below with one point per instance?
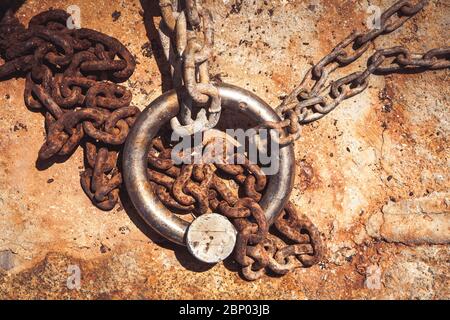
(158, 114)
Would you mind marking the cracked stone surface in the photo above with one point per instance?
(423, 220)
(372, 175)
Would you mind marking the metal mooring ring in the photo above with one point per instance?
(159, 113)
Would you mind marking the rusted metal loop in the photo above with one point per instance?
(198, 125)
(439, 52)
(404, 11)
(409, 9)
(155, 116)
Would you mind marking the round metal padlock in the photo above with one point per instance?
(150, 208)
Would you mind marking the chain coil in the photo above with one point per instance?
(70, 75)
(205, 188)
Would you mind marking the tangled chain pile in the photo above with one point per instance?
(70, 75)
(200, 188)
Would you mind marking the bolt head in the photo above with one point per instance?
(211, 238)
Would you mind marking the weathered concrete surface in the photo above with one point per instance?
(350, 164)
(413, 221)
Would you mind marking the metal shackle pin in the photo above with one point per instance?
(153, 211)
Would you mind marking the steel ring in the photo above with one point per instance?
(159, 113)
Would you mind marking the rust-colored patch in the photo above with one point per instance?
(333, 11)
(307, 176)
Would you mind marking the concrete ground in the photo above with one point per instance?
(374, 178)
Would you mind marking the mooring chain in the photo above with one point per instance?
(175, 187)
(316, 95)
(200, 189)
(69, 78)
(187, 37)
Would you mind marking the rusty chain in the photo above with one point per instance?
(205, 188)
(187, 37)
(70, 75)
(316, 95)
(310, 101)
(175, 187)
(69, 79)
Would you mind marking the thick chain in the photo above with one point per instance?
(175, 186)
(202, 188)
(68, 74)
(187, 37)
(316, 96)
(68, 78)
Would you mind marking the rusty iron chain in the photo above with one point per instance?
(70, 75)
(205, 188)
(68, 78)
(187, 36)
(316, 95)
(174, 186)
